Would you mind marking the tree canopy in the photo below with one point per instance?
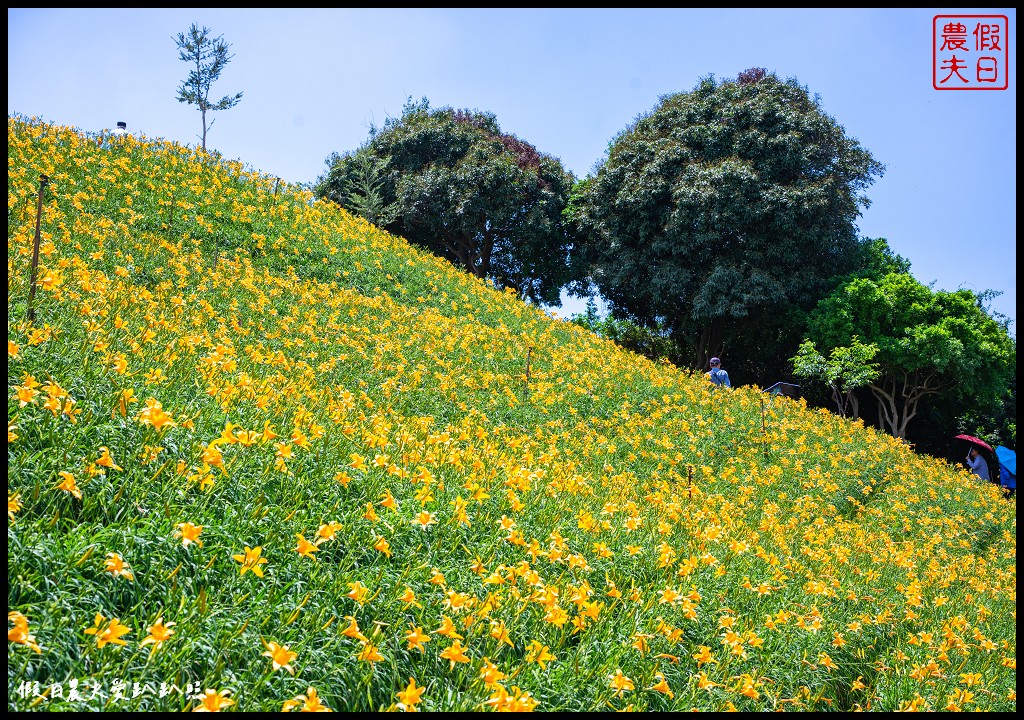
(460, 187)
(930, 343)
(724, 207)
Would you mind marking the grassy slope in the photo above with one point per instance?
(616, 511)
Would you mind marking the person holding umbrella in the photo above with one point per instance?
(977, 464)
(975, 461)
(1007, 469)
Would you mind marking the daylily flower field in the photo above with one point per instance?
(265, 456)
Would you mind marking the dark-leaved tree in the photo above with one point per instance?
(725, 214)
(460, 187)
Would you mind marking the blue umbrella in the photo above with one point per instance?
(1007, 458)
(1007, 467)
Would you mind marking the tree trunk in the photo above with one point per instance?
(485, 254)
(840, 400)
(711, 343)
(888, 412)
(896, 410)
(464, 252)
(700, 347)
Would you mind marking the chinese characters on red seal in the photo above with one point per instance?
(970, 52)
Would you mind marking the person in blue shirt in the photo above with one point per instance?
(977, 464)
(717, 375)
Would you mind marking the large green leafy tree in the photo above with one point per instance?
(931, 344)
(206, 56)
(723, 211)
(460, 187)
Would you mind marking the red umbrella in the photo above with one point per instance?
(975, 441)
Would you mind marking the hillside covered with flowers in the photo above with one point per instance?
(264, 456)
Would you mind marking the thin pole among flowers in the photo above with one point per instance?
(43, 180)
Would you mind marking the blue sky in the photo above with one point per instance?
(565, 80)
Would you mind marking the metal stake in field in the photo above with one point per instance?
(764, 432)
(31, 314)
(528, 351)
